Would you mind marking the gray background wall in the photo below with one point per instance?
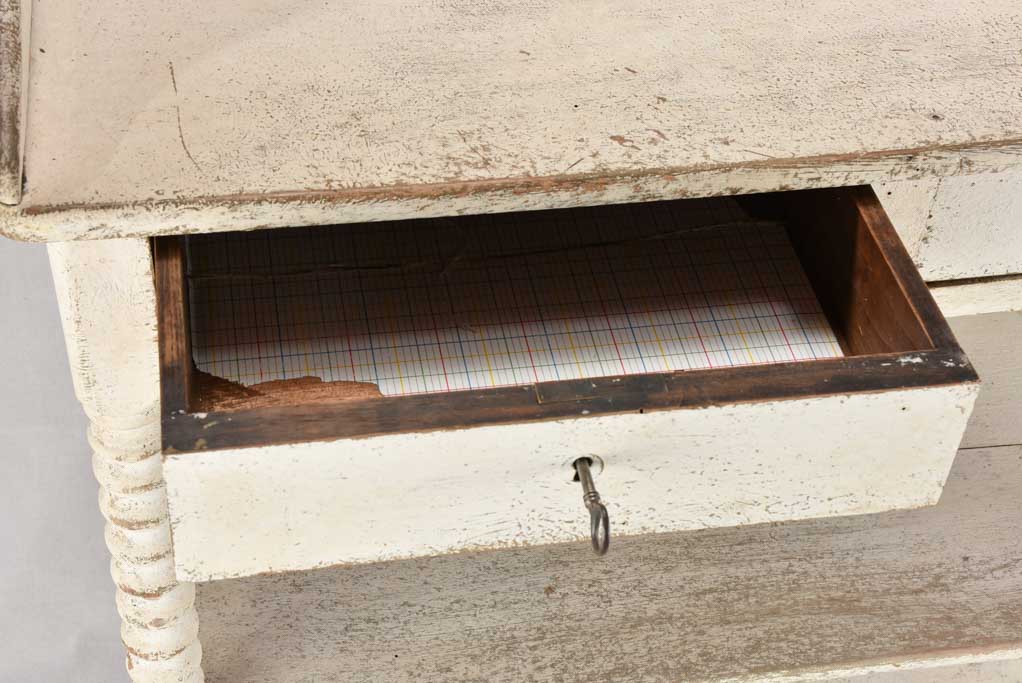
(57, 616)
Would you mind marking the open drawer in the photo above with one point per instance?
(377, 391)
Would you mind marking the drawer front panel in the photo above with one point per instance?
(248, 511)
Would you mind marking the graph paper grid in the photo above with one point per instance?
(453, 304)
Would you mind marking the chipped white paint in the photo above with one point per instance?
(908, 203)
(963, 227)
(185, 216)
(15, 23)
(967, 226)
(107, 306)
(920, 596)
(242, 512)
(974, 228)
(231, 103)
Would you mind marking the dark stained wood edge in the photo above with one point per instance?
(905, 271)
(859, 225)
(868, 308)
(175, 346)
(914, 368)
(689, 389)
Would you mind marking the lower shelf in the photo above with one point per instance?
(675, 607)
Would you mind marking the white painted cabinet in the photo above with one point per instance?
(126, 126)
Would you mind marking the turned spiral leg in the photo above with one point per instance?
(108, 309)
(160, 626)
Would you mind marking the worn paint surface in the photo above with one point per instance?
(15, 20)
(993, 344)
(968, 226)
(106, 297)
(974, 228)
(854, 598)
(107, 306)
(984, 296)
(242, 512)
(354, 110)
(291, 208)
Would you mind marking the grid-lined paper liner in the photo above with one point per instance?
(437, 305)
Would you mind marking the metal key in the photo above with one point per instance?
(598, 517)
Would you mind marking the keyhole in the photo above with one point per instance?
(595, 466)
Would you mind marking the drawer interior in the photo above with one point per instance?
(451, 305)
(305, 333)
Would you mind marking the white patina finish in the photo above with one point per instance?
(184, 216)
(915, 596)
(974, 228)
(107, 305)
(996, 665)
(960, 227)
(15, 23)
(236, 513)
(907, 203)
(142, 113)
(974, 298)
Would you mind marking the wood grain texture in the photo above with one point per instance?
(351, 111)
(868, 286)
(176, 365)
(993, 345)
(773, 602)
(107, 305)
(866, 281)
(242, 512)
(570, 399)
(15, 22)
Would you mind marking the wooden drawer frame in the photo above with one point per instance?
(384, 478)
(874, 297)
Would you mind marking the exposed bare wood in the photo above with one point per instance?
(176, 366)
(865, 279)
(866, 282)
